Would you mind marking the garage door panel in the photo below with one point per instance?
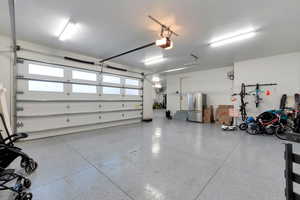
(114, 116)
(81, 107)
(111, 97)
(41, 123)
(57, 108)
(33, 124)
(41, 108)
(23, 92)
(41, 97)
(131, 97)
(84, 119)
(132, 114)
(133, 105)
(71, 97)
(112, 106)
(84, 97)
(25, 71)
(131, 74)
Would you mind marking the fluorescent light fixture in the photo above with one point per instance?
(155, 79)
(233, 37)
(69, 30)
(174, 70)
(154, 60)
(60, 26)
(157, 85)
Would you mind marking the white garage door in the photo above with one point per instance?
(56, 97)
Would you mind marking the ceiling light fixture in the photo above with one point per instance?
(155, 79)
(154, 60)
(233, 37)
(68, 31)
(173, 70)
(157, 85)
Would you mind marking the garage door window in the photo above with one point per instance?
(132, 82)
(45, 70)
(131, 92)
(111, 90)
(111, 79)
(87, 89)
(80, 75)
(44, 86)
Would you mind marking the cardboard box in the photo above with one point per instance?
(208, 115)
(223, 116)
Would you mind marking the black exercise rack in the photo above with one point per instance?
(290, 175)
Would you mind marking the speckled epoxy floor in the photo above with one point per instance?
(162, 160)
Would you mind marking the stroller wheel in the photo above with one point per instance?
(243, 126)
(24, 162)
(253, 129)
(24, 196)
(31, 166)
(281, 133)
(270, 130)
(27, 183)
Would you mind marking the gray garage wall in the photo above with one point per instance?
(281, 69)
(213, 82)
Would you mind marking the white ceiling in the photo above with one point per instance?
(110, 27)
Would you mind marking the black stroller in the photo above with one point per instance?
(8, 153)
(9, 175)
(26, 162)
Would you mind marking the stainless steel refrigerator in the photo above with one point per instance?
(196, 105)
